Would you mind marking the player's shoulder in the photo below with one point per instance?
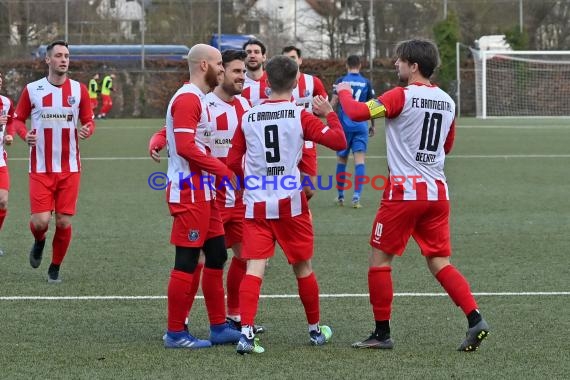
(245, 103)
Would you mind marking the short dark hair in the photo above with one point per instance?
(55, 43)
(422, 52)
(353, 61)
(232, 55)
(255, 41)
(281, 73)
(287, 49)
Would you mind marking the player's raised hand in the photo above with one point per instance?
(321, 106)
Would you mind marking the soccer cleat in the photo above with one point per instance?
(321, 336)
(374, 341)
(339, 201)
(257, 329)
(474, 337)
(1, 252)
(249, 346)
(356, 203)
(37, 252)
(53, 277)
(224, 334)
(184, 339)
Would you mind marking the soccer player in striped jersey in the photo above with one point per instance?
(271, 137)
(197, 222)
(255, 87)
(420, 129)
(6, 122)
(55, 104)
(308, 86)
(226, 108)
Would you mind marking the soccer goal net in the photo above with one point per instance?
(522, 83)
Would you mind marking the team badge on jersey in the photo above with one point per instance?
(267, 91)
(307, 93)
(193, 235)
(71, 100)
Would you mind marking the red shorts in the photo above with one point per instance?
(194, 223)
(233, 218)
(294, 235)
(54, 191)
(308, 163)
(4, 178)
(426, 221)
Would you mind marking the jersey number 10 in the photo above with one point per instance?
(431, 131)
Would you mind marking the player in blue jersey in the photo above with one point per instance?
(356, 132)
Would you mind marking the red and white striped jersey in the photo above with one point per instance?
(6, 108)
(256, 91)
(225, 119)
(419, 122)
(191, 166)
(308, 87)
(271, 136)
(54, 112)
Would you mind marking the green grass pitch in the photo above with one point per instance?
(510, 215)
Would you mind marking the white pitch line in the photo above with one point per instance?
(489, 156)
(270, 296)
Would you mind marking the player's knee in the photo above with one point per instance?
(63, 222)
(186, 259)
(3, 203)
(216, 253)
(39, 222)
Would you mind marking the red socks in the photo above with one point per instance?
(249, 298)
(236, 272)
(60, 243)
(179, 299)
(381, 292)
(309, 293)
(213, 289)
(457, 287)
(2, 217)
(195, 284)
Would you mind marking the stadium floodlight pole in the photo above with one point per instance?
(458, 75)
(220, 25)
(143, 27)
(371, 36)
(66, 20)
(295, 21)
(521, 16)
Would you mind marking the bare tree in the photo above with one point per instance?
(330, 11)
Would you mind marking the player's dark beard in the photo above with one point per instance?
(253, 66)
(211, 77)
(231, 89)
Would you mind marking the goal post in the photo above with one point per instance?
(522, 83)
